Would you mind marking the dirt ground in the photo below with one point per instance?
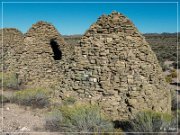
(18, 118)
(22, 120)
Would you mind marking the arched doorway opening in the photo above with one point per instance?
(56, 50)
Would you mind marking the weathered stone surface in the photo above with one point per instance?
(11, 48)
(112, 65)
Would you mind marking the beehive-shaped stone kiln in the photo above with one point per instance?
(112, 66)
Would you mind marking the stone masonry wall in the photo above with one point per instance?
(38, 65)
(112, 66)
(117, 69)
(12, 47)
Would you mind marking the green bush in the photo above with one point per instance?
(174, 101)
(168, 78)
(164, 67)
(78, 118)
(178, 114)
(176, 64)
(54, 120)
(10, 80)
(69, 101)
(173, 73)
(149, 121)
(32, 97)
(3, 99)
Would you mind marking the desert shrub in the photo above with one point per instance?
(164, 67)
(32, 97)
(176, 64)
(174, 102)
(168, 78)
(69, 101)
(178, 114)
(3, 99)
(176, 119)
(10, 80)
(149, 121)
(78, 118)
(173, 73)
(53, 120)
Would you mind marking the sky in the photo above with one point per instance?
(76, 18)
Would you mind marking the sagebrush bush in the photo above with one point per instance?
(174, 101)
(164, 67)
(178, 115)
(173, 73)
(10, 80)
(168, 78)
(3, 99)
(32, 97)
(54, 120)
(149, 121)
(176, 64)
(78, 118)
(69, 101)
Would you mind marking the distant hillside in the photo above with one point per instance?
(160, 34)
(165, 46)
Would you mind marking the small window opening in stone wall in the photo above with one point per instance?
(56, 50)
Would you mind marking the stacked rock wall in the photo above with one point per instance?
(113, 66)
(40, 60)
(117, 69)
(39, 57)
(11, 48)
